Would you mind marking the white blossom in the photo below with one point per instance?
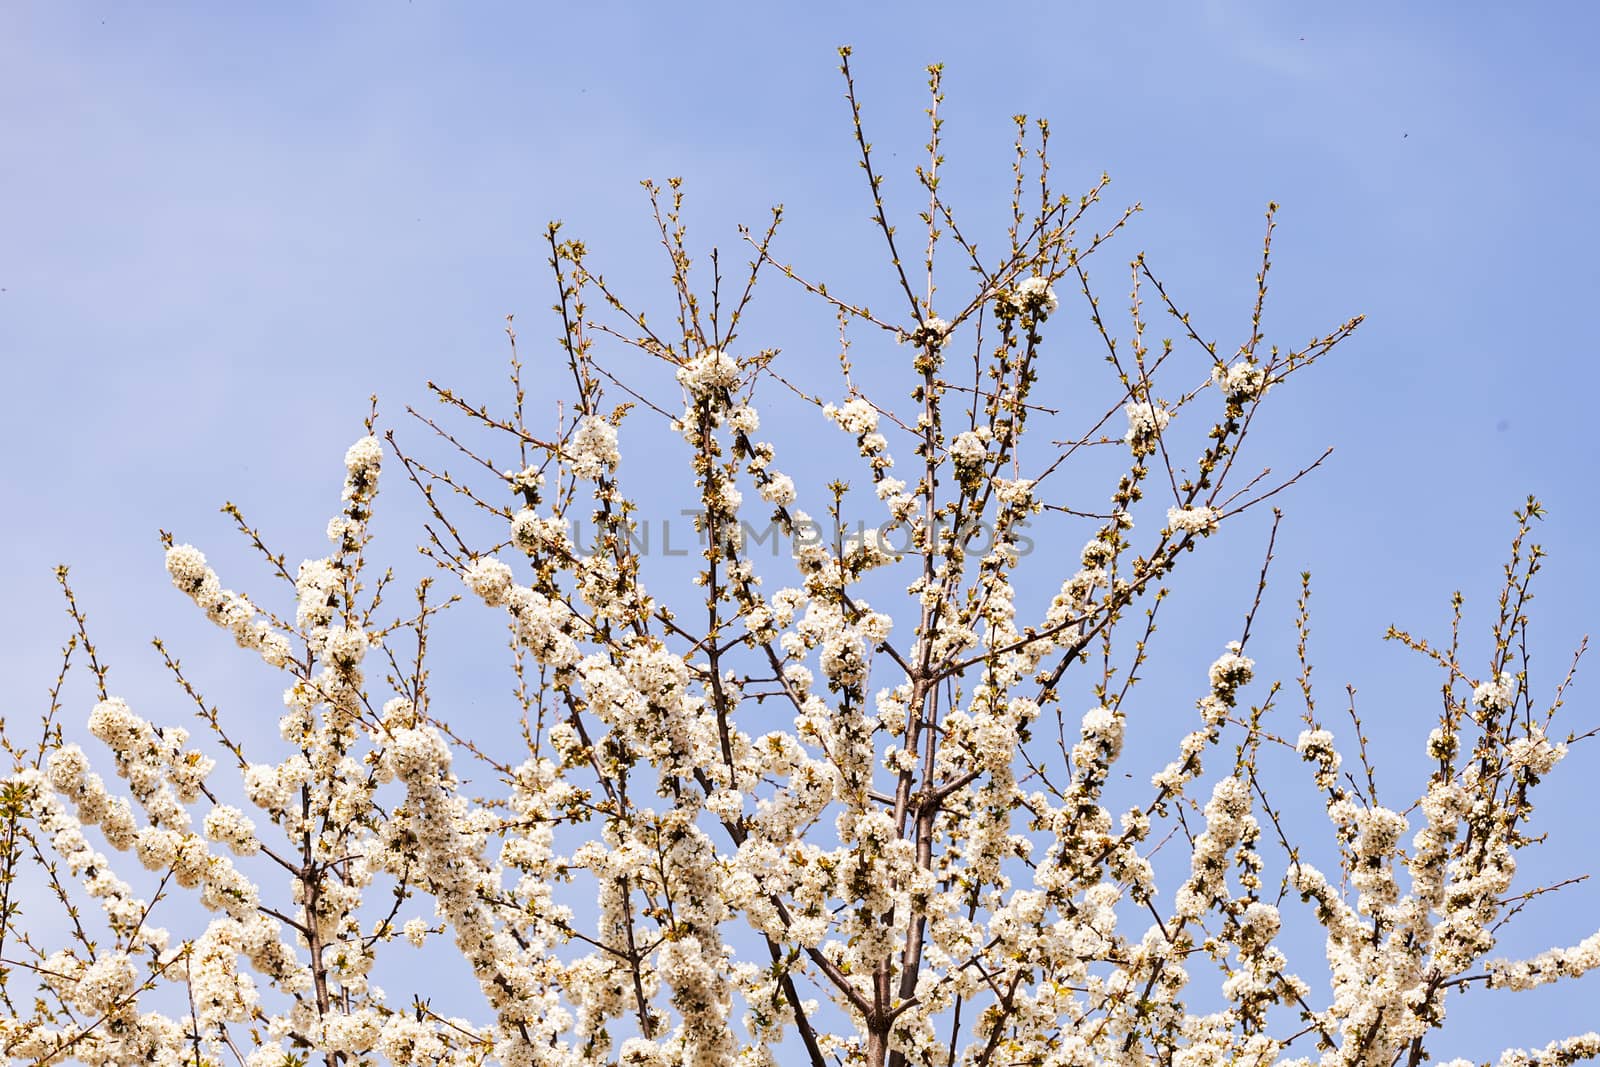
(594, 448)
(1197, 519)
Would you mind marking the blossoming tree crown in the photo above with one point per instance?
(842, 808)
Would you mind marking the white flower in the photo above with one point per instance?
(1193, 520)
(527, 480)
(1259, 924)
(593, 449)
(744, 419)
(1497, 694)
(535, 533)
(1316, 747)
(1015, 492)
(856, 416)
(230, 826)
(364, 456)
(778, 489)
(712, 369)
(229, 610)
(968, 449)
(1036, 295)
(1244, 380)
(1536, 752)
(932, 333)
(266, 788)
(188, 568)
(1146, 420)
(347, 647)
(1231, 670)
(104, 982)
(490, 579)
(316, 587)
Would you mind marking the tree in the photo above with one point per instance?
(845, 808)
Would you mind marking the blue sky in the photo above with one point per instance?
(220, 230)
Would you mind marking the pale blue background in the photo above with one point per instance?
(221, 230)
